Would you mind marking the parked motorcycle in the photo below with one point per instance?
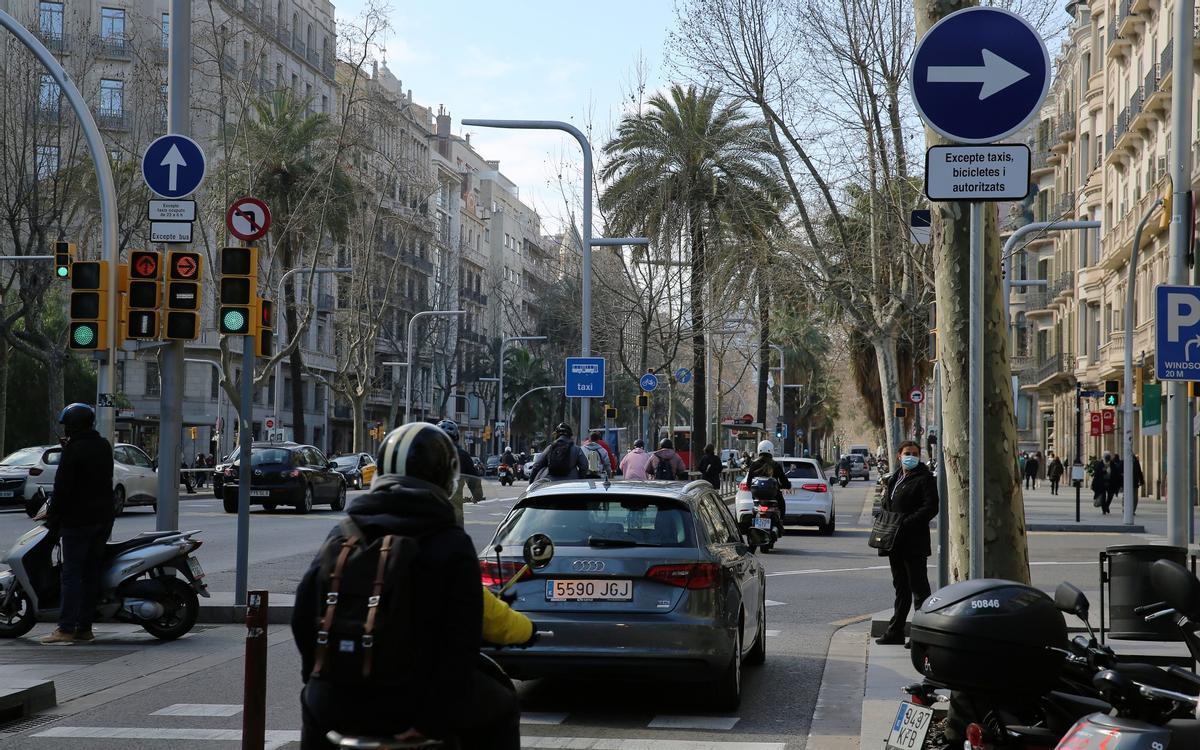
(765, 493)
(140, 583)
(538, 552)
(505, 474)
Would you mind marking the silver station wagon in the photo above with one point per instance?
(649, 579)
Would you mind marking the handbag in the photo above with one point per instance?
(884, 530)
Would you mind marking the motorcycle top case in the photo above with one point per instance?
(989, 635)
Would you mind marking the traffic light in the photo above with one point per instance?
(780, 431)
(239, 283)
(265, 311)
(1112, 399)
(643, 401)
(610, 412)
(145, 294)
(185, 270)
(900, 412)
(89, 305)
(64, 255)
(1112, 391)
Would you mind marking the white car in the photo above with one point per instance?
(809, 501)
(135, 480)
(14, 474)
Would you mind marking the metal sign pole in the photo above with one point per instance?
(942, 489)
(245, 441)
(975, 396)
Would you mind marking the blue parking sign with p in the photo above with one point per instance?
(1177, 338)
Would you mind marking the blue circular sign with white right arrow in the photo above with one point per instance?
(979, 74)
(173, 166)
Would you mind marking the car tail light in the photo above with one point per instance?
(493, 574)
(743, 486)
(975, 737)
(229, 471)
(764, 509)
(687, 575)
(35, 472)
(815, 487)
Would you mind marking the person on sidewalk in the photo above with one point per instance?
(710, 466)
(633, 466)
(82, 511)
(1099, 471)
(1031, 470)
(912, 492)
(665, 464)
(1021, 460)
(1054, 472)
(424, 643)
(1116, 477)
(1139, 481)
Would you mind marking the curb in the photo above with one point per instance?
(230, 614)
(1088, 528)
(843, 684)
(20, 698)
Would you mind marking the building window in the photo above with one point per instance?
(112, 97)
(121, 376)
(112, 24)
(166, 30)
(214, 385)
(47, 161)
(271, 392)
(152, 384)
(50, 20)
(48, 94)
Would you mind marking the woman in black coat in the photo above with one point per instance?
(912, 492)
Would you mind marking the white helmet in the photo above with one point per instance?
(767, 447)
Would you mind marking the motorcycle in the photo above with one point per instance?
(538, 552)
(843, 477)
(765, 492)
(505, 473)
(140, 583)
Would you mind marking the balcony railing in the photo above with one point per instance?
(116, 47)
(1040, 159)
(1066, 203)
(1165, 60)
(328, 67)
(55, 40)
(113, 119)
(1050, 366)
(1065, 281)
(1036, 299)
(314, 58)
(1110, 140)
(1150, 84)
(1066, 124)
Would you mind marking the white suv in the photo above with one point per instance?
(135, 478)
(809, 502)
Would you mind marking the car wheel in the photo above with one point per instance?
(306, 504)
(358, 482)
(230, 504)
(827, 529)
(727, 689)
(339, 500)
(758, 653)
(118, 501)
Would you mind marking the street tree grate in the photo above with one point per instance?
(24, 724)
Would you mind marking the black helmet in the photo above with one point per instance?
(666, 443)
(77, 417)
(420, 450)
(563, 430)
(450, 427)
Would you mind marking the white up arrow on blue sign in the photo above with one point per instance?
(173, 166)
(648, 382)
(979, 74)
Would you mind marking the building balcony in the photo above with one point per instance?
(1139, 6)
(114, 47)
(1118, 45)
(1127, 20)
(55, 40)
(1053, 369)
(1166, 70)
(113, 119)
(1066, 127)
(1066, 204)
(1095, 91)
(1041, 164)
(1157, 96)
(1061, 288)
(1037, 302)
(314, 58)
(328, 68)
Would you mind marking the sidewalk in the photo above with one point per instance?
(1046, 512)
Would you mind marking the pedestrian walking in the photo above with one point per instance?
(710, 466)
(1021, 459)
(633, 466)
(1041, 468)
(665, 464)
(1099, 472)
(82, 509)
(1054, 472)
(1116, 478)
(1139, 481)
(911, 491)
(1031, 468)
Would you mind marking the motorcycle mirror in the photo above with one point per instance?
(1177, 586)
(538, 551)
(1068, 598)
(757, 537)
(1113, 684)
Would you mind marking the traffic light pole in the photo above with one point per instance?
(245, 443)
(170, 357)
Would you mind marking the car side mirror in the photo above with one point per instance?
(330, 465)
(757, 537)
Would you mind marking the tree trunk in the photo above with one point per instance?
(5, 351)
(764, 357)
(296, 368)
(55, 385)
(889, 386)
(358, 414)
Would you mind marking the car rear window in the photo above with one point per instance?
(800, 470)
(347, 462)
(268, 456)
(572, 520)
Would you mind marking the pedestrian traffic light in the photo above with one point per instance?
(610, 412)
(1112, 399)
(64, 255)
(239, 283)
(89, 305)
(265, 311)
(643, 401)
(185, 271)
(900, 412)
(780, 431)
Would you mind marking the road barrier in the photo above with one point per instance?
(254, 699)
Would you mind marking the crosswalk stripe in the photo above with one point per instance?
(199, 709)
(773, 603)
(617, 743)
(274, 738)
(543, 718)
(693, 722)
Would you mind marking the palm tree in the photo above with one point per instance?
(695, 171)
(295, 169)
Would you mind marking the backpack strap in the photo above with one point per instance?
(368, 640)
(331, 599)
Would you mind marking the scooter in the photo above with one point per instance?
(140, 583)
(843, 477)
(505, 474)
(765, 492)
(538, 552)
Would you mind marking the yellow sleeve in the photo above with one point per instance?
(501, 624)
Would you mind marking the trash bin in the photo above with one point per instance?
(1129, 587)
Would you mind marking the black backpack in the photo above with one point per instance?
(663, 470)
(365, 600)
(558, 458)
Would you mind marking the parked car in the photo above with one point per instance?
(357, 468)
(809, 502)
(14, 474)
(218, 477)
(648, 579)
(491, 466)
(135, 475)
(529, 465)
(286, 474)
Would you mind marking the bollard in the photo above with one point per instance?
(254, 699)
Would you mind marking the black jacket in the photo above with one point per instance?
(710, 469)
(448, 615)
(769, 467)
(83, 484)
(915, 496)
(466, 465)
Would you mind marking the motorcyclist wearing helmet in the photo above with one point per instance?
(82, 509)
(440, 692)
(469, 475)
(765, 465)
(562, 459)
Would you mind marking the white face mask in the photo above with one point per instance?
(909, 462)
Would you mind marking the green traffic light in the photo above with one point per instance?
(84, 335)
(234, 321)
(62, 272)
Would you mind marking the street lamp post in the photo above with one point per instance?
(500, 400)
(409, 350)
(782, 374)
(279, 362)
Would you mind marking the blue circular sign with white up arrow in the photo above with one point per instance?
(979, 74)
(173, 166)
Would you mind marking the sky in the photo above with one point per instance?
(527, 59)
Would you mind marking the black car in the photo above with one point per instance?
(286, 474)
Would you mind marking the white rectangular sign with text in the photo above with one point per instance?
(977, 173)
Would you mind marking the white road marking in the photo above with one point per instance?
(275, 738)
(545, 719)
(616, 743)
(773, 633)
(773, 603)
(886, 567)
(199, 709)
(693, 722)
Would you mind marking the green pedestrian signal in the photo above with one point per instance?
(84, 335)
(1112, 399)
(62, 271)
(233, 321)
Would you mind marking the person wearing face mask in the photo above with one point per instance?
(912, 492)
